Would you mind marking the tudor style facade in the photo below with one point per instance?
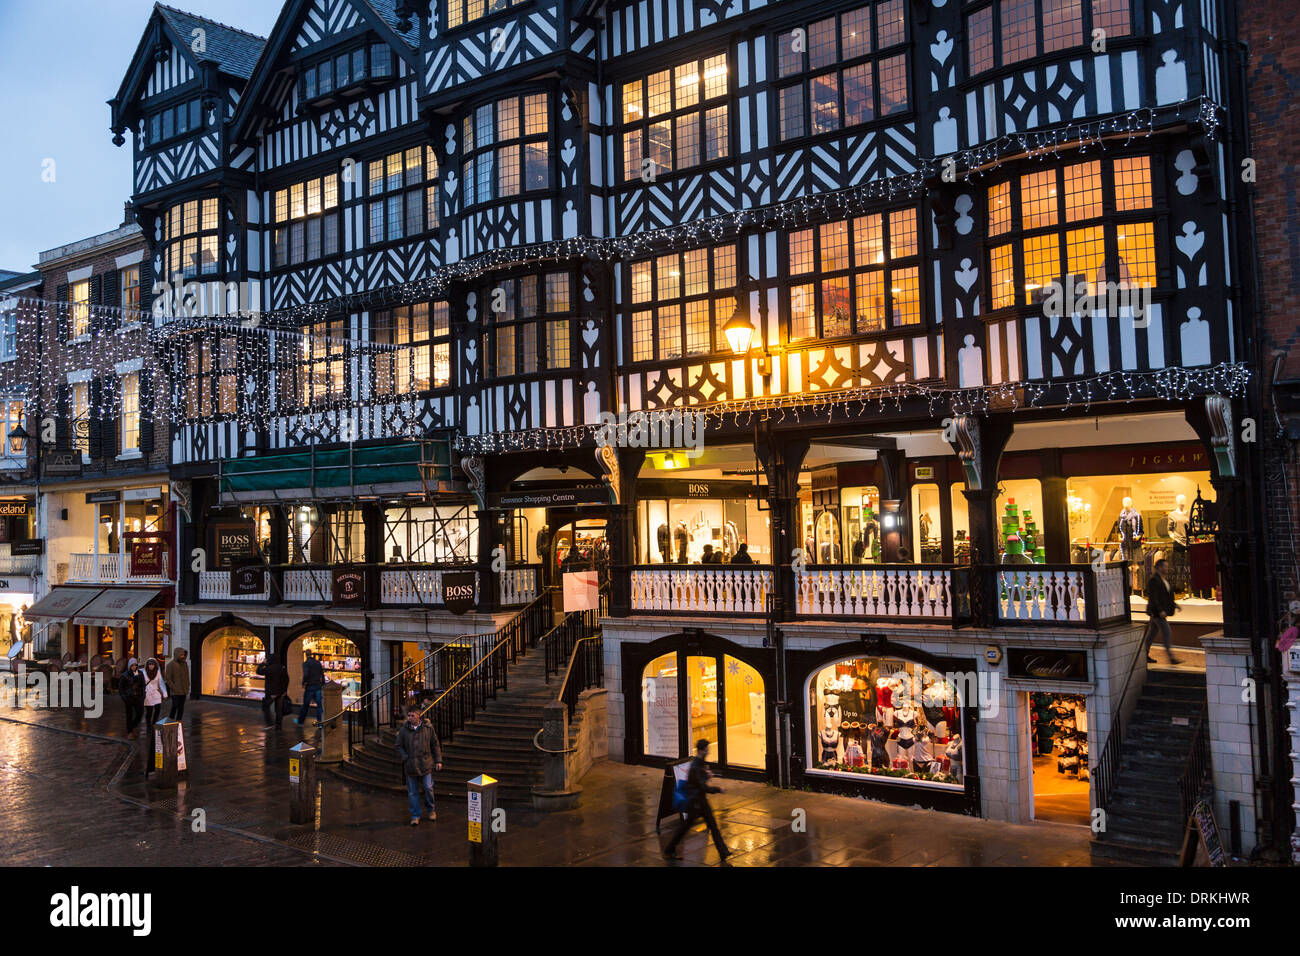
(471, 231)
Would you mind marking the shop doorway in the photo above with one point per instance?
(338, 656)
(444, 664)
(581, 543)
(1058, 748)
(711, 696)
(231, 656)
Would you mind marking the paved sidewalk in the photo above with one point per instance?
(239, 778)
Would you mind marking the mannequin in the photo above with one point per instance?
(879, 754)
(830, 740)
(1130, 538)
(1179, 566)
(953, 753)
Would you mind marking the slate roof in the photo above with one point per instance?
(235, 51)
(387, 10)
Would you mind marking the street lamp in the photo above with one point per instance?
(739, 329)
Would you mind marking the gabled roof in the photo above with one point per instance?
(234, 51)
(381, 14)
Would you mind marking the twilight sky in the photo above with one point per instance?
(55, 108)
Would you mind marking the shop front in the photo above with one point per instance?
(694, 686)
(16, 597)
(678, 518)
(887, 721)
(228, 652)
(336, 648)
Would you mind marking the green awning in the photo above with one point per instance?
(343, 473)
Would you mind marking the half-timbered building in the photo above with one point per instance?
(938, 302)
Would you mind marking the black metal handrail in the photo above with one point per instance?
(1198, 769)
(1108, 763)
(560, 641)
(586, 670)
(458, 704)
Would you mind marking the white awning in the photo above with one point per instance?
(61, 603)
(115, 607)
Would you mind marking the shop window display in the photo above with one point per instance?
(1140, 519)
(1020, 536)
(659, 716)
(1058, 738)
(860, 521)
(960, 525)
(675, 531)
(230, 659)
(885, 717)
(725, 702)
(338, 656)
(926, 526)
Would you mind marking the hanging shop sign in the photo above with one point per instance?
(1038, 664)
(349, 584)
(550, 497)
(233, 544)
(690, 488)
(102, 497)
(61, 462)
(14, 509)
(146, 558)
(250, 579)
(458, 590)
(141, 494)
(30, 546)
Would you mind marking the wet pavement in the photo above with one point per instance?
(238, 778)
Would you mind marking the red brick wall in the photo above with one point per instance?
(1273, 91)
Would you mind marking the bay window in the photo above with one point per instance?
(507, 148)
(680, 302)
(190, 248)
(676, 118)
(423, 359)
(1008, 31)
(307, 221)
(531, 328)
(402, 188)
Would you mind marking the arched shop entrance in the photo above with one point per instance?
(228, 659)
(692, 687)
(338, 653)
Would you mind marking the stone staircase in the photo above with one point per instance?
(498, 742)
(1144, 824)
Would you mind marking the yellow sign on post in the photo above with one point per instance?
(475, 817)
(293, 769)
(476, 833)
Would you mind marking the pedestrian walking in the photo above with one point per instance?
(696, 788)
(313, 689)
(130, 687)
(155, 691)
(421, 755)
(275, 684)
(177, 676)
(1160, 604)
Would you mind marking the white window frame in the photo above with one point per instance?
(8, 336)
(130, 387)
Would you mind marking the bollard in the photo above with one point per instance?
(334, 736)
(482, 838)
(302, 783)
(167, 753)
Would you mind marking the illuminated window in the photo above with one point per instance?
(422, 357)
(402, 188)
(1008, 31)
(694, 294)
(79, 308)
(461, 12)
(676, 118)
(306, 221)
(128, 284)
(130, 412)
(12, 417)
(1090, 251)
(191, 246)
(843, 282)
(837, 86)
(530, 337)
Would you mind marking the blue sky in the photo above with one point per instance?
(55, 108)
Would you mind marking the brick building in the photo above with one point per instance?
(1272, 78)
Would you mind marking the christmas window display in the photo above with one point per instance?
(1059, 728)
(886, 717)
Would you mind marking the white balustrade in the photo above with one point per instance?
(871, 591)
(87, 568)
(215, 586)
(710, 589)
(1028, 593)
(18, 564)
(518, 585)
(1110, 593)
(308, 584)
(414, 585)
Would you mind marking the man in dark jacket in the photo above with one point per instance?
(275, 684)
(313, 689)
(421, 755)
(697, 806)
(176, 675)
(742, 555)
(1160, 604)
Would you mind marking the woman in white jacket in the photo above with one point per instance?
(155, 692)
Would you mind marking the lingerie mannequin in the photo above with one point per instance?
(884, 702)
(905, 720)
(878, 735)
(922, 754)
(953, 753)
(830, 740)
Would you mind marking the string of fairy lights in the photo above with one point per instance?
(308, 347)
(806, 408)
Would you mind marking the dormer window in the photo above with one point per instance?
(345, 70)
(461, 12)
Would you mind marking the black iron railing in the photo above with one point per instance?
(456, 706)
(1198, 770)
(384, 704)
(586, 670)
(1107, 770)
(576, 626)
